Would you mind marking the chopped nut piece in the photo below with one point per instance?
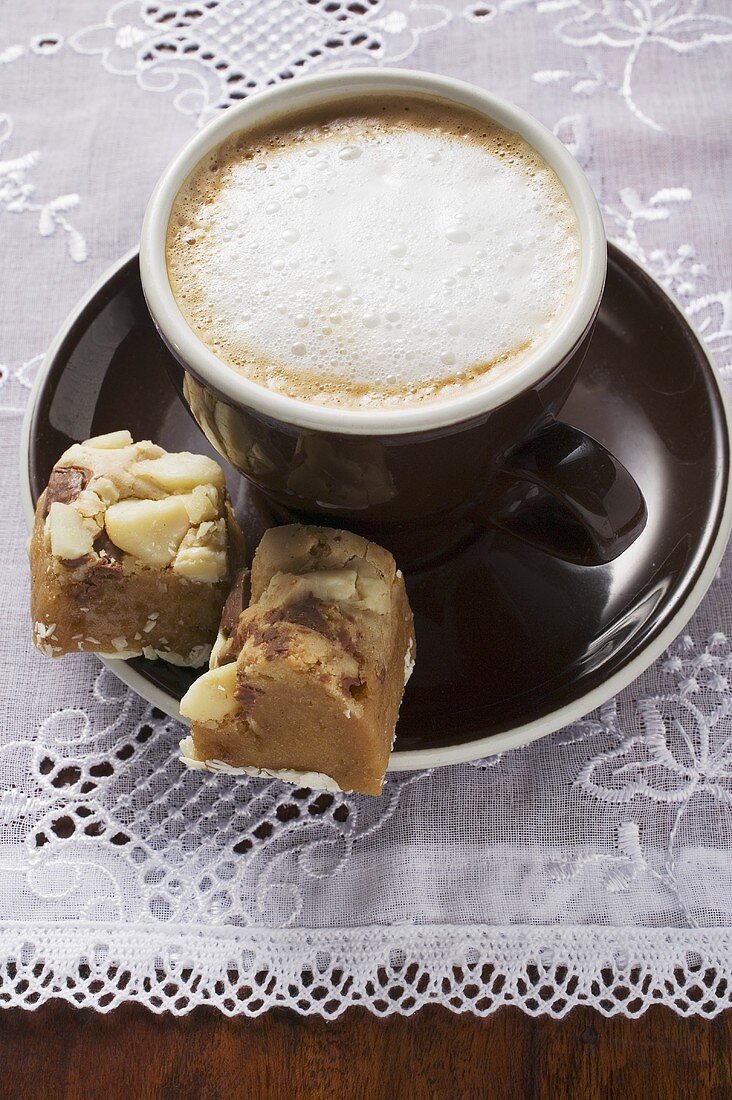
(202, 503)
(88, 504)
(106, 490)
(111, 441)
(70, 538)
(212, 696)
(150, 530)
(200, 563)
(202, 553)
(179, 473)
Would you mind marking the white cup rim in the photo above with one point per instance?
(283, 98)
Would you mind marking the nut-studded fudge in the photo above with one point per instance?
(306, 681)
(132, 553)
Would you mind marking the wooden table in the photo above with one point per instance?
(59, 1053)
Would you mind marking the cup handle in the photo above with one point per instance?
(565, 493)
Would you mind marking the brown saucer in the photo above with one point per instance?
(512, 642)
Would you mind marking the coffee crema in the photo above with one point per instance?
(375, 252)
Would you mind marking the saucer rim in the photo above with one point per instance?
(490, 744)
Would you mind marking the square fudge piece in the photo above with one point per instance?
(306, 681)
(132, 553)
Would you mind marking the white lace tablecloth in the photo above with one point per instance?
(592, 867)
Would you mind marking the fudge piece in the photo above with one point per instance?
(132, 552)
(305, 683)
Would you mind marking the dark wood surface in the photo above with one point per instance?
(59, 1053)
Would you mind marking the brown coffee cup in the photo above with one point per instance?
(421, 478)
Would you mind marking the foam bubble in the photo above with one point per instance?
(457, 235)
(473, 218)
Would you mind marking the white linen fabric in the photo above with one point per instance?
(594, 866)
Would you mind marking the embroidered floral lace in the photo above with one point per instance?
(592, 867)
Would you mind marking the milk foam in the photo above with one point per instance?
(374, 259)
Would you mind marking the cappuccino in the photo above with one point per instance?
(377, 252)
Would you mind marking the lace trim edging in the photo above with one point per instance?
(478, 969)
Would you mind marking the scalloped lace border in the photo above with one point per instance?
(542, 970)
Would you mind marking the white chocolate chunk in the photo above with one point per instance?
(211, 697)
(333, 586)
(373, 593)
(202, 503)
(111, 441)
(149, 530)
(329, 585)
(70, 537)
(179, 473)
